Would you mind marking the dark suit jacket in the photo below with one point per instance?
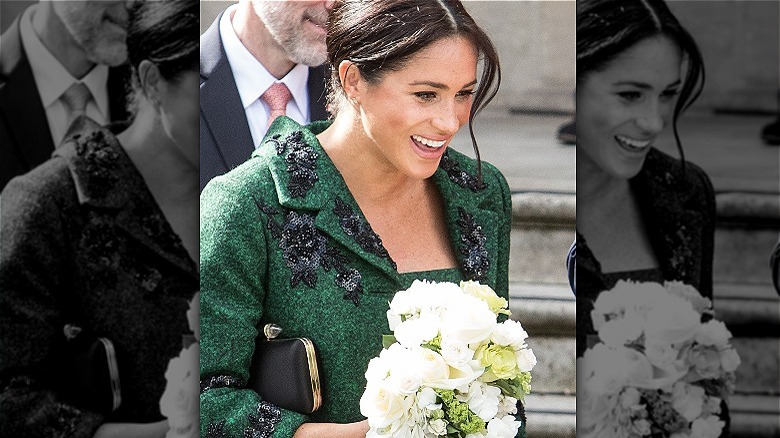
(25, 138)
(225, 139)
(83, 241)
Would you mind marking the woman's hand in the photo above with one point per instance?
(332, 430)
(132, 430)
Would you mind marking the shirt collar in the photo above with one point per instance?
(51, 78)
(252, 78)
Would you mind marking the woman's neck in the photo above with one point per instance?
(167, 173)
(370, 178)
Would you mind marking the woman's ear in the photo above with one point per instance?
(349, 75)
(151, 81)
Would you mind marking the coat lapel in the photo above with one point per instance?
(301, 162)
(105, 178)
(665, 205)
(220, 103)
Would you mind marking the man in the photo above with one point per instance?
(58, 60)
(249, 48)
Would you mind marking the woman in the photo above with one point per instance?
(644, 216)
(318, 230)
(104, 236)
(661, 210)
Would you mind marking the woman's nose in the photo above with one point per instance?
(447, 120)
(652, 118)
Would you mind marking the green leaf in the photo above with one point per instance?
(388, 340)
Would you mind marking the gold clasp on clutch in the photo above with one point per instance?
(271, 331)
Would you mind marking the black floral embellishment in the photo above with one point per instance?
(476, 262)
(301, 162)
(263, 424)
(100, 161)
(364, 235)
(221, 381)
(460, 177)
(149, 278)
(216, 430)
(352, 283)
(67, 420)
(305, 249)
(102, 246)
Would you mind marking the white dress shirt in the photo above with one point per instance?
(252, 79)
(52, 79)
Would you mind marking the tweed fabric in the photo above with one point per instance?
(83, 238)
(679, 213)
(283, 241)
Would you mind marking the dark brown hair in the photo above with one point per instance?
(379, 36)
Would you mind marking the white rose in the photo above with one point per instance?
(709, 427)
(404, 303)
(432, 368)
(378, 368)
(509, 332)
(729, 360)
(460, 376)
(180, 403)
(417, 331)
(621, 331)
(672, 321)
(526, 360)
(404, 381)
(382, 406)
(456, 353)
(714, 333)
(468, 320)
(393, 319)
(503, 428)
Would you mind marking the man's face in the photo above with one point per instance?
(299, 26)
(98, 26)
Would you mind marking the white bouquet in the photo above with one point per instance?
(450, 369)
(180, 402)
(661, 367)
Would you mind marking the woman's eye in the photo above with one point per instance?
(465, 94)
(425, 95)
(630, 95)
(669, 94)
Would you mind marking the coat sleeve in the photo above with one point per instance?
(34, 265)
(233, 287)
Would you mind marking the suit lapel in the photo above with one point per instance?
(318, 77)
(20, 102)
(220, 103)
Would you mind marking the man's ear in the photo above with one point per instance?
(349, 75)
(151, 81)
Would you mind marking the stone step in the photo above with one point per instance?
(547, 312)
(754, 416)
(542, 231)
(551, 416)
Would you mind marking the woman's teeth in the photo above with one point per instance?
(634, 144)
(428, 142)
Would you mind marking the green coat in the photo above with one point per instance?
(283, 241)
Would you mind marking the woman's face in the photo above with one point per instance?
(622, 108)
(180, 114)
(411, 114)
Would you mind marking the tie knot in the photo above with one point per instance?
(75, 99)
(277, 96)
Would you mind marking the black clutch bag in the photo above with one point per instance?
(88, 375)
(285, 372)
